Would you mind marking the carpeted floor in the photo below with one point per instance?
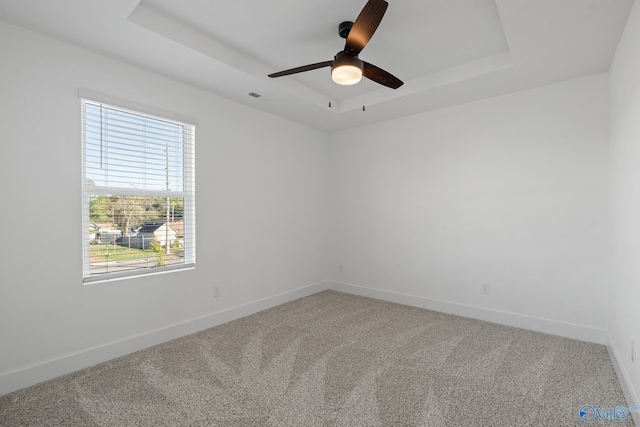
(335, 359)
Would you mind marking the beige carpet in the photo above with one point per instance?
(335, 359)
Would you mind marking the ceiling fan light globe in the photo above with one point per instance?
(346, 74)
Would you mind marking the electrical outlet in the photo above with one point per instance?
(216, 291)
(340, 268)
(485, 288)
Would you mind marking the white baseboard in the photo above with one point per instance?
(623, 377)
(553, 327)
(21, 378)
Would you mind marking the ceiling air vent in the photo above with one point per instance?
(255, 95)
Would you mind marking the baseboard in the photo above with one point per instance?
(21, 378)
(553, 327)
(623, 377)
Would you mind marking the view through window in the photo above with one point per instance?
(138, 193)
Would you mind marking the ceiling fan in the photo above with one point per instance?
(346, 67)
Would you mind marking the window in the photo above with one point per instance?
(138, 193)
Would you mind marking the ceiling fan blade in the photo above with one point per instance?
(381, 76)
(302, 69)
(365, 25)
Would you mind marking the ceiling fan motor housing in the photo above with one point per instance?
(343, 58)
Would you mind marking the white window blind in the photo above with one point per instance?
(138, 193)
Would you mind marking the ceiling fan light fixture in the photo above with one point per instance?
(346, 75)
(346, 69)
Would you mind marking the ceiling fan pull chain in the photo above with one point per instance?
(363, 109)
(330, 84)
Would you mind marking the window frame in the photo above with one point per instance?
(187, 194)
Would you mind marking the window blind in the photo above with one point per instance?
(138, 193)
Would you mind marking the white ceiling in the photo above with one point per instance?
(446, 51)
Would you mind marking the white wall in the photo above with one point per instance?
(510, 190)
(261, 214)
(624, 294)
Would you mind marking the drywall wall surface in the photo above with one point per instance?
(624, 293)
(261, 189)
(509, 191)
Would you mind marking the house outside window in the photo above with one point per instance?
(138, 193)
